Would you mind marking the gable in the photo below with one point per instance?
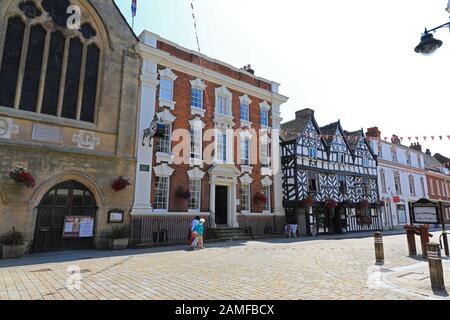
(339, 144)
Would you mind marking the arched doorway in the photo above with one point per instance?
(69, 199)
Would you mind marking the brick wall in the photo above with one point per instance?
(182, 112)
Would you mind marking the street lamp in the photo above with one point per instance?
(428, 44)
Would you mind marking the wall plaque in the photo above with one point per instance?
(47, 134)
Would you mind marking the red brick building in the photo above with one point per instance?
(438, 181)
(216, 150)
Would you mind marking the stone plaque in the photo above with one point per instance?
(47, 134)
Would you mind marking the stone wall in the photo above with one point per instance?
(111, 155)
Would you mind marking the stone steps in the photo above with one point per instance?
(230, 234)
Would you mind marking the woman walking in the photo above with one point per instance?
(198, 231)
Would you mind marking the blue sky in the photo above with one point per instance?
(351, 60)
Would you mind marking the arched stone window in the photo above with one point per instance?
(46, 66)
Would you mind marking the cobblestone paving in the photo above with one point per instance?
(273, 269)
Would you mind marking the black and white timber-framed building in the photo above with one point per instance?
(329, 177)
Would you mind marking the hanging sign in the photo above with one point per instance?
(78, 227)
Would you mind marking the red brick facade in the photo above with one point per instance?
(182, 112)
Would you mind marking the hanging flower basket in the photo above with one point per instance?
(380, 203)
(183, 193)
(330, 204)
(308, 202)
(21, 176)
(364, 204)
(120, 184)
(260, 198)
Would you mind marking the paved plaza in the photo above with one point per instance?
(297, 269)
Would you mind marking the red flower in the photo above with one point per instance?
(21, 176)
(309, 201)
(120, 183)
(260, 198)
(330, 204)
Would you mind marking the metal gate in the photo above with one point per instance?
(66, 199)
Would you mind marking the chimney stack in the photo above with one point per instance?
(304, 113)
(249, 69)
(373, 133)
(428, 152)
(417, 146)
(395, 139)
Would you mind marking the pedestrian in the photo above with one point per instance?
(191, 235)
(198, 231)
(201, 230)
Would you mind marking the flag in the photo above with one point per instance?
(133, 8)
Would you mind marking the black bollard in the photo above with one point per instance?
(379, 250)
(435, 265)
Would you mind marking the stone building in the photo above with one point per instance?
(222, 119)
(69, 91)
(329, 177)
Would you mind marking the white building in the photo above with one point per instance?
(401, 179)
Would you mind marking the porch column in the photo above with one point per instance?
(212, 201)
(276, 161)
(233, 212)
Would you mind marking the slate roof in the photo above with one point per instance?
(442, 159)
(291, 130)
(432, 163)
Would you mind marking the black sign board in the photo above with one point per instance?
(144, 168)
(425, 212)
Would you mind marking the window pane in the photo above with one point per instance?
(245, 151)
(264, 117)
(90, 84)
(11, 61)
(164, 142)
(222, 105)
(62, 197)
(245, 112)
(245, 197)
(266, 193)
(33, 69)
(221, 147)
(197, 98)
(195, 190)
(77, 198)
(161, 193)
(196, 143)
(72, 79)
(166, 89)
(53, 76)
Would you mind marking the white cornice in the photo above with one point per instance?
(165, 59)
